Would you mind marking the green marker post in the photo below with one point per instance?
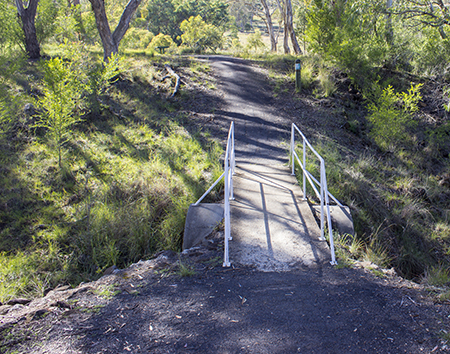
(298, 74)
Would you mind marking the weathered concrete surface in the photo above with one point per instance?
(341, 219)
(200, 222)
(272, 227)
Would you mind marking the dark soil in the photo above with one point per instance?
(188, 303)
(236, 310)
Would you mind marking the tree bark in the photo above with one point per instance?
(110, 41)
(273, 42)
(286, 9)
(290, 27)
(109, 47)
(28, 16)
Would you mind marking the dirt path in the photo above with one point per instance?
(151, 308)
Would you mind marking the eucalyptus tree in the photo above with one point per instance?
(111, 40)
(288, 20)
(428, 13)
(268, 13)
(243, 11)
(27, 15)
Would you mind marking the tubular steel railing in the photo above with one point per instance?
(229, 167)
(323, 194)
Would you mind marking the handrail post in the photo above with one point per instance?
(304, 168)
(322, 221)
(323, 194)
(226, 261)
(292, 161)
(233, 161)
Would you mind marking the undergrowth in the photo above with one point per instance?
(398, 196)
(116, 191)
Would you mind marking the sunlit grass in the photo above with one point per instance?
(399, 218)
(128, 177)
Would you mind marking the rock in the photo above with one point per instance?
(46, 291)
(16, 307)
(445, 181)
(20, 301)
(62, 304)
(165, 258)
(110, 270)
(62, 288)
(29, 109)
(4, 309)
(39, 314)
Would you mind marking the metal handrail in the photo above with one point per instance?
(229, 167)
(323, 194)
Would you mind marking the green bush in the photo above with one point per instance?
(161, 40)
(391, 114)
(137, 38)
(199, 35)
(254, 41)
(62, 91)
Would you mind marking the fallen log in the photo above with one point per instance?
(175, 75)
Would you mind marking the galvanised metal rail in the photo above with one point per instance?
(323, 194)
(229, 167)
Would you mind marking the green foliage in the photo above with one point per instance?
(432, 54)
(391, 114)
(62, 92)
(321, 28)
(437, 275)
(326, 82)
(46, 19)
(100, 77)
(254, 41)
(137, 38)
(185, 270)
(199, 35)
(67, 26)
(166, 16)
(161, 40)
(10, 31)
(124, 186)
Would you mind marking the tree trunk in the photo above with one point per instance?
(286, 10)
(287, 50)
(282, 8)
(290, 26)
(389, 30)
(110, 41)
(109, 47)
(273, 42)
(28, 17)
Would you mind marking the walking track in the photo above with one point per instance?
(273, 229)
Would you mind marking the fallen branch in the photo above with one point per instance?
(176, 76)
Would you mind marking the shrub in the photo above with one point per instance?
(391, 114)
(137, 38)
(161, 40)
(254, 41)
(199, 35)
(62, 93)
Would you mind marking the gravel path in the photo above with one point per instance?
(273, 229)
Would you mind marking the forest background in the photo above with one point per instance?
(99, 165)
